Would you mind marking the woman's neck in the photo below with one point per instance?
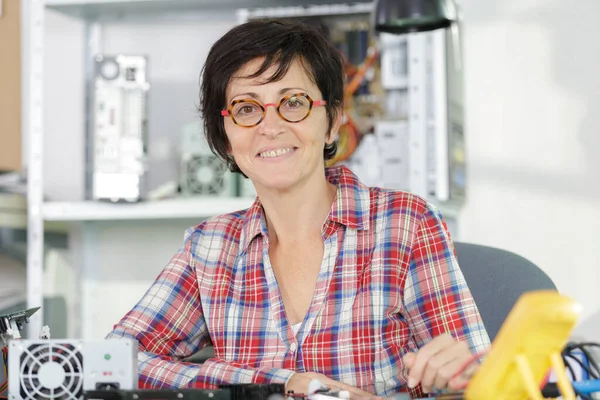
(299, 213)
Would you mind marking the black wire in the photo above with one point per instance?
(592, 369)
(592, 361)
(590, 358)
(582, 365)
(551, 390)
(569, 367)
(587, 344)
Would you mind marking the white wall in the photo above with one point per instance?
(532, 94)
(64, 107)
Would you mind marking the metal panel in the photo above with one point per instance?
(440, 115)
(32, 29)
(417, 112)
(113, 9)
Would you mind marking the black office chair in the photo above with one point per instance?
(497, 278)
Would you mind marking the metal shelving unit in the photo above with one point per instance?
(94, 12)
(32, 39)
(107, 9)
(162, 209)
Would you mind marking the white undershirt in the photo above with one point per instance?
(296, 328)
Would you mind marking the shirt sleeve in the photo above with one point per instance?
(169, 325)
(437, 299)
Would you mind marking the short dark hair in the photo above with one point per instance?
(279, 42)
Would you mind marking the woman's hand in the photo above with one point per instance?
(299, 384)
(438, 364)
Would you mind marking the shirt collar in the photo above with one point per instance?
(253, 225)
(352, 202)
(351, 206)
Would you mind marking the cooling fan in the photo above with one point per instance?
(206, 175)
(202, 172)
(46, 370)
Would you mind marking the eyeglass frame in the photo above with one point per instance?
(312, 103)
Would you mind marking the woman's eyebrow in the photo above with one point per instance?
(256, 96)
(251, 94)
(284, 90)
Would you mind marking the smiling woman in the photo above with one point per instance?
(322, 277)
(258, 54)
(283, 147)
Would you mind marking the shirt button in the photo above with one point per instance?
(293, 347)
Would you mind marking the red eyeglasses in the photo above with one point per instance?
(292, 108)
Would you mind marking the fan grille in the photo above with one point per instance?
(51, 371)
(205, 174)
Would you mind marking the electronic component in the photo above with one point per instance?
(225, 392)
(393, 142)
(252, 391)
(202, 172)
(394, 64)
(11, 324)
(63, 369)
(117, 139)
(158, 394)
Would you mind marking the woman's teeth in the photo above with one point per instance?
(275, 153)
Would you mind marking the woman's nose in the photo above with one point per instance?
(272, 124)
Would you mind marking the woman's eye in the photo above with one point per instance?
(294, 102)
(246, 109)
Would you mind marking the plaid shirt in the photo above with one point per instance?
(389, 283)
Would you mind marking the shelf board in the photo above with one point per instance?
(195, 207)
(120, 8)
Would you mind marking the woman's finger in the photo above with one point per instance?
(442, 366)
(425, 353)
(409, 359)
(448, 371)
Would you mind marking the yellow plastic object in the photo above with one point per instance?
(528, 344)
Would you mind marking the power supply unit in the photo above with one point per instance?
(64, 369)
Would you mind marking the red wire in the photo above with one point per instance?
(4, 386)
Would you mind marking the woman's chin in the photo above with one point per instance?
(277, 183)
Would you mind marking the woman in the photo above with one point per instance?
(322, 277)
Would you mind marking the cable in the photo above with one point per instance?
(551, 390)
(570, 369)
(590, 358)
(580, 354)
(587, 387)
(4, 386)
(584, 367)
(592, 361)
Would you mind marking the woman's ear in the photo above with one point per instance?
(334, 133)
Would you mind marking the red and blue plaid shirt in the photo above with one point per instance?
(389, 283)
